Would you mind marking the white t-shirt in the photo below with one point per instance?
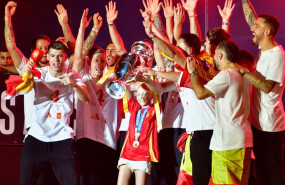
(97, 120)
(199, 114)
(53, 106)
(232, 130)
(173, 115)
(29, 97)
(267, 111)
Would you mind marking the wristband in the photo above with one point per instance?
(95, 30)
(110, 24)
(194, 73)
(225, 23)
(195, 15)
(153, 36)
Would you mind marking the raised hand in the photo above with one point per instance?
(61, 14)
(155, 6)
(112, 13)
(227, 11)
(10, 8)
(189, 6)
(97, 21)
(84, 21)
(147, 23)
(179, 14)
(168, 9)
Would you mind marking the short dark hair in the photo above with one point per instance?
(95, 50)
(111, 42)
(192, 40)
(231, 50)
(216, 35)
(272, 22)
(58, 45)
(39, 37)
(3, 48)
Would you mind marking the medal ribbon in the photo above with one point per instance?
(139, 121)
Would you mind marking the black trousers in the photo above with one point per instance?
(60, 155)
(98, 163)
(166, 171)
(268, 151)
(201, 157)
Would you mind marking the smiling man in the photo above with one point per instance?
(49, 140)
(267, 111)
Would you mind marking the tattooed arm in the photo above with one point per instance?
(264, 85)
(16, 54)
(249, 12)
(97, 21)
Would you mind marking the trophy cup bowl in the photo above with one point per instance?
(124, 72)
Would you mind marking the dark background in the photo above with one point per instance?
(37, 17)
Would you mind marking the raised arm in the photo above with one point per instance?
(97, 24)
(171, 51)
(226, 14)
(168, 14)
(179, 18)
(249, 12)
(15, 53)
(112, 14)
(190, 7)
(62, 17)
(78, 56)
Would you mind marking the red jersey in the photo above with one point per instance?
(148, 139)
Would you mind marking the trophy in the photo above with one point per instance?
(141, 54)
(144, 50)
(124, 75)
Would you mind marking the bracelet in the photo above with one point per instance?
(194, 73)
(95, 30)
(195, 15)
(244, 72)
(110, 24)
(225, 23)
(153, 36)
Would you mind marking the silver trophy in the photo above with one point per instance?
(141, 54)
(124, 75)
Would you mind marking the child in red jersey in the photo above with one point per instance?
(141, 143)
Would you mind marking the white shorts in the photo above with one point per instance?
(144, 166)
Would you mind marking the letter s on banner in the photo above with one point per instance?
(9, 113)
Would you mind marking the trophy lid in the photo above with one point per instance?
(115, 90)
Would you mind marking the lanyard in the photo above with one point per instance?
(139, 121)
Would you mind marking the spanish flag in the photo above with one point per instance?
(17, 85)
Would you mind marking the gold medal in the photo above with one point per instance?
(136, 144)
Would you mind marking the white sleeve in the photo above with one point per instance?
(275, 70)
(219, 84)
(23, 63)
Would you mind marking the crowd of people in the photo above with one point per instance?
(197, 112)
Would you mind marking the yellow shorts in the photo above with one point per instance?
(231, 166)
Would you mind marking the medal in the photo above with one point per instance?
(138, 125)
(136, 144)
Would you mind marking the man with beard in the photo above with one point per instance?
(232, 137)
(97, 121)
(267, 112)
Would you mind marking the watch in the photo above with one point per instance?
(153, 36)
(194, 73)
